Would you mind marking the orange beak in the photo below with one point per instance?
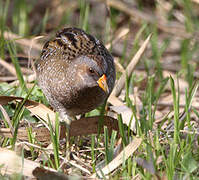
(103, 84)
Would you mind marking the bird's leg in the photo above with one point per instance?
(82, 116)
(66, 119)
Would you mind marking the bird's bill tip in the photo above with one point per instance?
(103, 83)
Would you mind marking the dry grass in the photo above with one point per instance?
(151, 120)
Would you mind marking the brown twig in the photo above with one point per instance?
(8, 66)
(139, 16)
(7, 118)
(22, 41)
(121, 82)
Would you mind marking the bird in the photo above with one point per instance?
(75, 72)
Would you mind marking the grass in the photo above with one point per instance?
(54, 133)
(169, 145)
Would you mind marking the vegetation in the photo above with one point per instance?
(151, 126)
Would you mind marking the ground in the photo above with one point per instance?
(149, 127)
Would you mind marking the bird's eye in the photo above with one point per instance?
(91, 70)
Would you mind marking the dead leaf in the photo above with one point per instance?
(12, 163)
(78, 127)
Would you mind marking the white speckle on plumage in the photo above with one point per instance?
(65, 39)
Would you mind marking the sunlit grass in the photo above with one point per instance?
(170, 152)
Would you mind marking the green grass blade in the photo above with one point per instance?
(55, 139)
(121, 129)
(18, 116)
(12, 50)
(106, 139)
(93, 152)
(176, 110)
